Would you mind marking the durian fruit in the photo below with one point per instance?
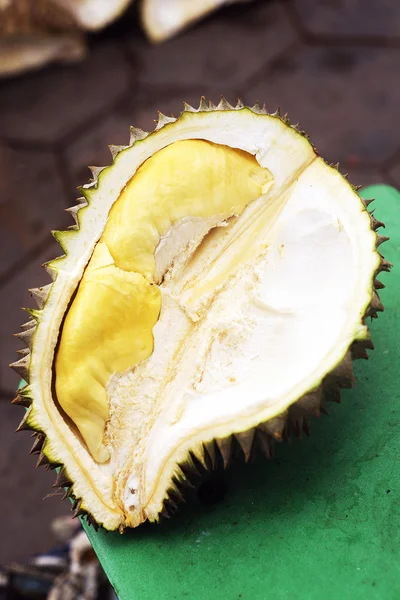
(24, 53)
(23, 16)
(215, 287)
(162, 19)
(37, 32)
(92, 15)
(34, 33)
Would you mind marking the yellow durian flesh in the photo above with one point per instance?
(108, 327)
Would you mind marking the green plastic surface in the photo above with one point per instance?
(320, 521)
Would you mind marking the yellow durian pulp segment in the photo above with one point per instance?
(191, 178)
(108, 328)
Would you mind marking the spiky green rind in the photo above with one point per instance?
(294, 421)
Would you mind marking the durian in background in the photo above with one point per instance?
(213, 290)
(163, 19)
(37, 32)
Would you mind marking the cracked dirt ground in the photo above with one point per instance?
(333, 66)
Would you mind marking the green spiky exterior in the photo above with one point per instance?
(294, 421)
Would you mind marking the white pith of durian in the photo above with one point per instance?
(303, 178)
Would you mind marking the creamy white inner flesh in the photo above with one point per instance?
(286, 285)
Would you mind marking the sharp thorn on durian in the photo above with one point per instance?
(136, 135)
(332, 394)
(203, 106)
(91, 521)
(40, 294)
(245, 440)
(311, 402)
(380, 239)
(29, 324)
(358, 351)
(21, 367)
(376, 224)
(176, 495)
(306, 426)
(265, 443)
(297, 427)
(275, 426)
(43, 460)
(95, 171)
(367, 202)
(324, 410)
(259, 110)
(197, 456)
(170, 505)
(384, 266)
(115, 150)
(24, 424)
(62, 480)
(76, 502)
(225, 449)
(187, 484)
(210, 455)
(38, 444)
(67, 494)
(74, 212)
(165, 512)
(177, 489)
(52, 466)
(189, 470)
(80, 512)
(343, 374)
(21, 401)
(224, 104)
(51, 270)
(188, 108)
(376, 304)
(163, 120)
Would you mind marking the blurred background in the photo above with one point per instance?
(71, 87)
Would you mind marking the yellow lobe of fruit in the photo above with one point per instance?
(108, 328)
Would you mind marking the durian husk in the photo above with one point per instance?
(293, 422)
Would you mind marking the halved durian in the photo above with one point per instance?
(216, 284)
